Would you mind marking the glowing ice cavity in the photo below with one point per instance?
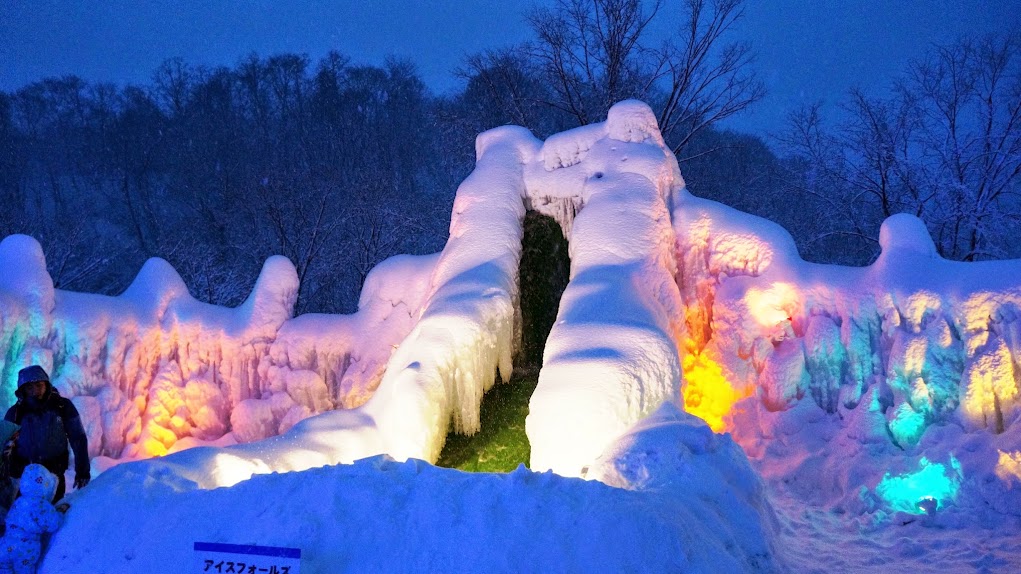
(913, 492)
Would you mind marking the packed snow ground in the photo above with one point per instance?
(878, 407)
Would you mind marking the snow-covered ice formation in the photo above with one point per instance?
(612, 355)
(871, 399)
(872, 395)
(183, 373)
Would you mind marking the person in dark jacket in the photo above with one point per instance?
(48, 423)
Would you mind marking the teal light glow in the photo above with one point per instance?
(907, 425)
(924, 491)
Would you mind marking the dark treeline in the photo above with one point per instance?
(329, 164)
(338, 166)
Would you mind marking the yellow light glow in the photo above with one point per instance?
(153, 448)
(991, 388)
(1008, 468)
(707, 393)
(914, 355)
(772, 306)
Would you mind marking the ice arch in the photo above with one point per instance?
(660, 280)
(162, 371)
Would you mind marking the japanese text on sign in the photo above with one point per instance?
(216, 558)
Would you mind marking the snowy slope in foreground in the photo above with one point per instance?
(684, 500)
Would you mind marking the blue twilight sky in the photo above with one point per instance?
(807, 50)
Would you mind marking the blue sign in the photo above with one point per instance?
(217, 558)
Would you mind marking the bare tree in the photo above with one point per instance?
(590, 51)
(595, 53)
(304, 223)
(946, 146)
(503, 87)
(708, 79)
(819, 175)
(968, 97)
(172, 83)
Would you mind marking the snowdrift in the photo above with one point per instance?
(701, 513)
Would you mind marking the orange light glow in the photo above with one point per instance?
(707, 393)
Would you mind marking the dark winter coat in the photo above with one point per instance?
(47, 426)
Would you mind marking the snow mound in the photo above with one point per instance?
(676, 454)
(633, 121)
(25, 272)
(904, 233)
(155, 287)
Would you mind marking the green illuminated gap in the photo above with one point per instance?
(501, 445)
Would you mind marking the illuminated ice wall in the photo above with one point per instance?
(671, 297)
(153, 370)
(912, 338)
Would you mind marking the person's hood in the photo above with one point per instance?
(50, 391)
(37, 482)
(32, 373)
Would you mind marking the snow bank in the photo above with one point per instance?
(377, 515)
(676, 454)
